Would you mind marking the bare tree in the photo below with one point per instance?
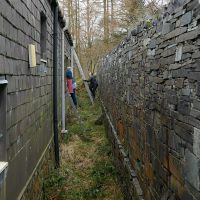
(98, 25)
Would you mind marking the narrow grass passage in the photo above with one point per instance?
(87, 171)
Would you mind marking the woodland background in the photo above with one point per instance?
(99, 25)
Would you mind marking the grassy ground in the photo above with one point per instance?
(86, 169)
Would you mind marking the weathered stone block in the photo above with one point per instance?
(1, 25)
(185, 131)
(186, 91)
(151, 52)
(192, 5)
(189, 48)
(166, 28)
(174, 66)
(196, 104)
(152, 44)
(176, 144)
(179, 50)
(176, 167)
(187, 36)
(146, 41)
(192, 26)
(179, 82)
(186, 56)
(196, 142)
(194, 76)
(191, 168)
(186, 18)
(167, 60)
(175, 33)
(195, 113)
(179, 73)
(198, 88)
(169, 51)
(172, 99)
(3, 45)
(179, 13)
(196, 55)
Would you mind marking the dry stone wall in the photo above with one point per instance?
(150, 87)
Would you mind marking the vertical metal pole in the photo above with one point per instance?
(63, 81)
(55, 101)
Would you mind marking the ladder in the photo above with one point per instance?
(76, 112)
(82, 74)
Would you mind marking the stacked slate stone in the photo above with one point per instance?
(150, 87)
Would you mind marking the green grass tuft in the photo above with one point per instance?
(87, 170)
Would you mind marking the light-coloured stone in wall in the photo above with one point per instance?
(128, 97)
(170, 46)
(174, 66)
(179, 51)
(129, 81)
(130, 53)
(151, 52)
(146, 42)
(186, 91)
(196, 142)
(192, 26)
(165, 74)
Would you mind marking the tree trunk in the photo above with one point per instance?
(106, 32)
(112, 16)
(78, 27)
(88, 24)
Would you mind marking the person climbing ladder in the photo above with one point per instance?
(71, 85)
(92, 85)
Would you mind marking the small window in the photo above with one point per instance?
(43, 35)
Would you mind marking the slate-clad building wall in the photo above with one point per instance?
(29, 90)
(150, 87)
